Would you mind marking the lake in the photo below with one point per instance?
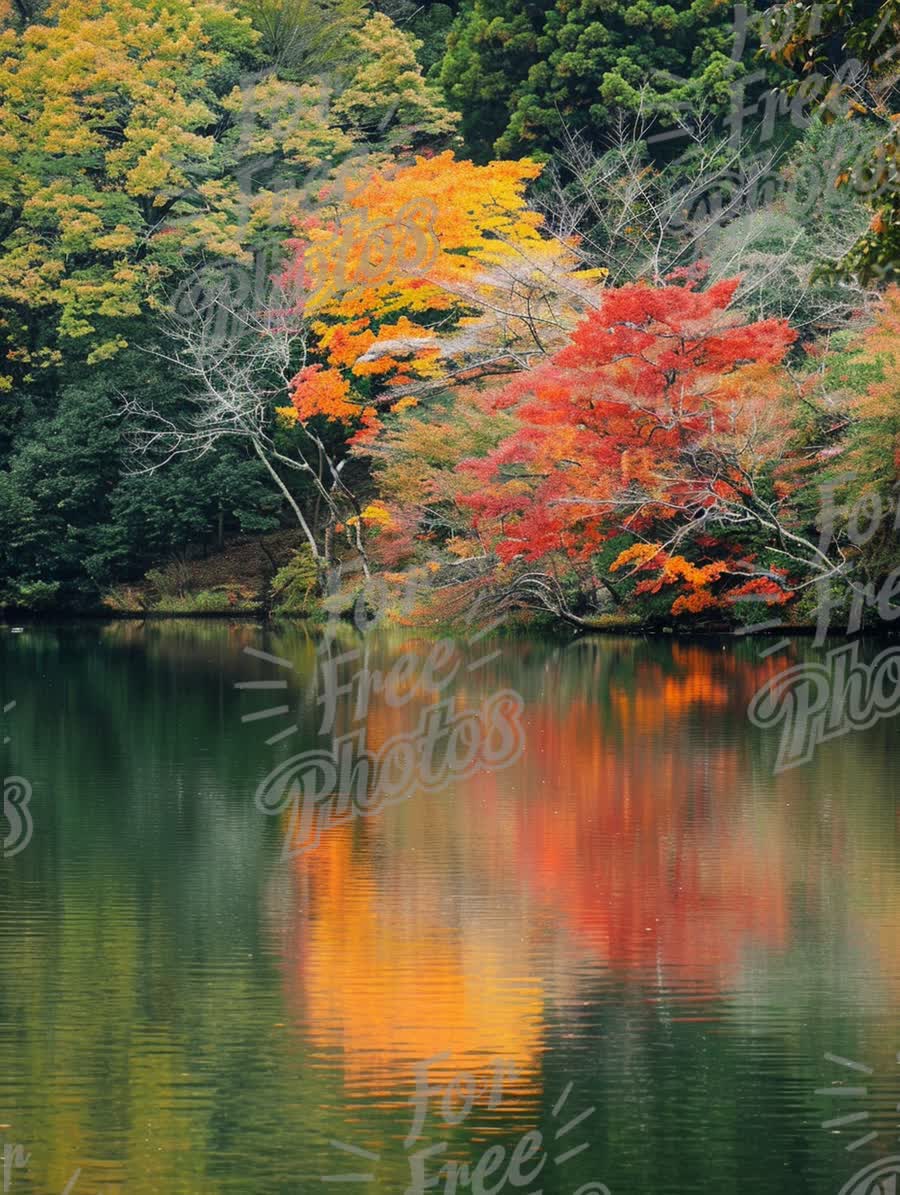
(630, 956)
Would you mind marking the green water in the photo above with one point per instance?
(637, 920)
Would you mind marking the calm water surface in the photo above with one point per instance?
(638, 921)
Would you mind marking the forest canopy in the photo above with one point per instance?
(580, 312)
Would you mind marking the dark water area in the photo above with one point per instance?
(633, 935)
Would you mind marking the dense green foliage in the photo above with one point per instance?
(527, 74)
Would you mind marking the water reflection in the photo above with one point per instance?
(639, 906)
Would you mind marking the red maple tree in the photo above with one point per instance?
(663, 419)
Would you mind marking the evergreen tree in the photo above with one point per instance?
(525, 75)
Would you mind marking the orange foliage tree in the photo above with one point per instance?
(414, 277)
(424, 273)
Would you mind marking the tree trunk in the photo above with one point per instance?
(289, 497)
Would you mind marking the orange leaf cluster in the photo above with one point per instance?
(413, 249)
(319, 391)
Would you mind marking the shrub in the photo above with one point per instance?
(295, 585)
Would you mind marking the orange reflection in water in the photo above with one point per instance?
(621, 836)
(389, 982)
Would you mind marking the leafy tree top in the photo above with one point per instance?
(140, 138)
(420, 270)
(661, 410)
(526, 75)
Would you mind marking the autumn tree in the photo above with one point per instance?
(386, 92)
(662, 430)
(404, 294)
(106, 108)
(874, 362)
(398, 297)
(403, 297)
(142, 139)
(425, 544)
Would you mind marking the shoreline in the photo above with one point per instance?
(626, 628)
